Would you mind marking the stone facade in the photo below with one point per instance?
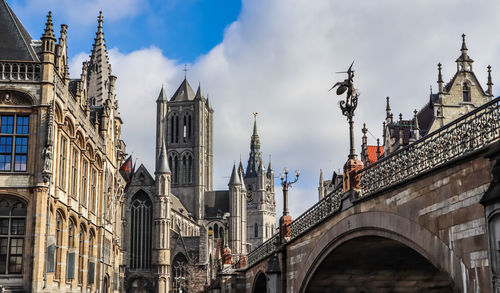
(60, 191)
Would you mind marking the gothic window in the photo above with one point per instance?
(466, 92)
(70, 257)
(84, 175)
(186, 128)
(93, 191)
(256, 230)
(179, 270)
(174, 128)
(12, 231)
(81, 254)
(173, 162)
(74, 174)
(216, 231)
(59, 243)
(141, 231)
(190, 169)
(91, 263)
(13, 142)
(62, 162)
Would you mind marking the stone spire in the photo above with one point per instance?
(388, 116)
(464, 62)
(440, 79)
(99, 68)
(162, 97)
(255, 154)
(269, 168)
(490, 82)
(198, 94)
(162, 166)
(49, 31)
(235, 178)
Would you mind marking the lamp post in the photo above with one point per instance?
(285, 184)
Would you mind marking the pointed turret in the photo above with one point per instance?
(490, 82)
(162, 165)
(242, 180)
(162, 97)
(255, 154)
(198, 94)
(99, 68)
(235, 178)
(240, 168)
(388, 115)
(16, 42)
(464, 62)
(48, 41)
(440, 79)
(49, 30)
(269, 169)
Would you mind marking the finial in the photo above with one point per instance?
(440, 79)
(490, 82)
(185, 70)
(387, 108)
(378, 148)
(464, 46)
(99, 22)
(430, 87)
(400, 117)
(255, 123)
(364, 130)
(49, 31)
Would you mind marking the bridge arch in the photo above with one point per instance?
(383, 225)
(260, 283)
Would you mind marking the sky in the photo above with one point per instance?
(277, 58)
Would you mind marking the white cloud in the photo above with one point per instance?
(279, 59)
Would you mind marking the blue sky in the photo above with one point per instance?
(276, 58)
(183, 29)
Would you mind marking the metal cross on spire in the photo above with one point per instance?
(185, 70)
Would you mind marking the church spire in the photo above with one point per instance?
(255, 154)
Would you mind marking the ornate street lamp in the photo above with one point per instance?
(285, 184)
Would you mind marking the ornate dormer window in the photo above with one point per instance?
(466, 92)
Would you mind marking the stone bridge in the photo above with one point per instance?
(426, 219)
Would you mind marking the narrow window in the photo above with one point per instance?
(176, 140)
(91, 263)
(59, 239)
(216, 231)
(74, 174)
(84, 183)
(81, 254)
(62, 162)
(466, 92)
(190, 169)
(70, 256)
(184, 129)
(184, 169)
(93, 186)
(256, 230)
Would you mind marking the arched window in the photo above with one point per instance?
(184, 169)
(466, 92)
(256, 230)
(190, 168)
(59, 243)
(179, 272)
(70, 257)
(91, 261)
(173, 161)
(12, 231)
(81, 254)
(141, 231)
(216, 231)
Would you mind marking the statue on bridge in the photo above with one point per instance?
(352, 179)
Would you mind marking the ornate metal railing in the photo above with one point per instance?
(263, 251)
(20, 71)
(468, 133)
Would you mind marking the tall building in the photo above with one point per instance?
(60, 151)
(203, 224)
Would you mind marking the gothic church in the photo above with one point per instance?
(175, 219)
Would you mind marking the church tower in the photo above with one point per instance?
(186, 121)
(261, 209)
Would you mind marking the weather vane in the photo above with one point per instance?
(349, 105)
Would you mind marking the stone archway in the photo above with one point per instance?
(386, 225)
(377, 264)
(260, 283)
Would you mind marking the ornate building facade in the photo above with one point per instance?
(205, 226)
(60, 151)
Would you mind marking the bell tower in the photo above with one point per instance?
(187, 125)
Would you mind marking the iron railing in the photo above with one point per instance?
(20, 71)
(468, 133)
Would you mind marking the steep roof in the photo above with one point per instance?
(372, 153)
(183, 93)
(16, 42)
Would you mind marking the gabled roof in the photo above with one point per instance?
(15, 41)
(183, 93)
